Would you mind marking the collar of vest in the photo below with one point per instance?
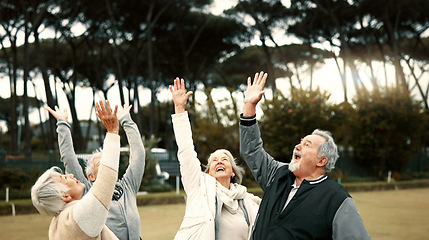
(319, 180)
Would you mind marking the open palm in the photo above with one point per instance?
(254, 91)
(58, 114)
(179, 94)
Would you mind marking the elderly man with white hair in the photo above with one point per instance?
(300, 201)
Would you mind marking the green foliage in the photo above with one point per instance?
(209, 134)
(287, 120)
(6, 108)
(13, 178)
(237, 67)
(386, 131)
(341, 119)
(151, 161)
(163, 126)
(155, 187)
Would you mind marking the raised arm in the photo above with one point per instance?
(253, 93)
(261, 164)
(134, 173)
(189, 164)
(65, 144)
(90, 213)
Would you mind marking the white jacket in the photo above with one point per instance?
(200, 188)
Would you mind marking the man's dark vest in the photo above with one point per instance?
(308, 215)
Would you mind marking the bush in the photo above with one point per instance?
(157, 187)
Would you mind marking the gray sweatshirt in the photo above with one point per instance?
(123, 218)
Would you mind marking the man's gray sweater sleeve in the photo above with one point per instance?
(348, 224)
(134, 173)
(261, 164)
(68, 155)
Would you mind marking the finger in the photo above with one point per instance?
(56, 108)
(176, 84)
(264, 79)
(171, 88)
(115, 110)
(108, 108)
(102, 107)
(261, 75)
(182, 86)
(256, 77)
(97, 106)
(189, 94)
(129, 107)
(249, 81)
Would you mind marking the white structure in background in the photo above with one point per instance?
(160, 154)
(167, 166)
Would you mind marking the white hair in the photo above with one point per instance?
(327, 149)
(47, 192)
(239, 171)
(89, 169)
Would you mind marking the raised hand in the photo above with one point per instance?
(63, 115)
(107, 117)
(122, 111)
(253, 93)
(179, 94)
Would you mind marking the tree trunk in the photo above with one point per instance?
(27, 131)
(12, 68)
(48, 92)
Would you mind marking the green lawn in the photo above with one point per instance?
(400, 214)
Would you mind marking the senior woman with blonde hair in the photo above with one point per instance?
(217, 206)
(60, 195)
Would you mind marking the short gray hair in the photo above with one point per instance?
(89, 169)
(239, 171)
(47, 192)
(327, 149)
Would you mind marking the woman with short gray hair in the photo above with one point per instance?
(60, 195)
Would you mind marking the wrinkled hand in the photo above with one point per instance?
(179, 94)
(63, 115)
(107, 117)
(254, 92)
(122, 111)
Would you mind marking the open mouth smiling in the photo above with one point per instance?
(220, 168)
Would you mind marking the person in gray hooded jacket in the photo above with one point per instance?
(300, 201)
(123, 217)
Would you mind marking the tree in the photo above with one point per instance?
(301, 60)
(387, 131)
(329, 22)
(288, 119)
(268, 16)
(11, 24)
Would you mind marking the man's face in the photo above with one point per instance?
(220, 166)
(304, 158)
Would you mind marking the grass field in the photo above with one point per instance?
(400, 214)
